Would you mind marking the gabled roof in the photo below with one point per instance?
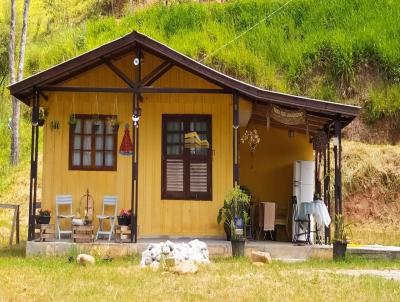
(23, 90)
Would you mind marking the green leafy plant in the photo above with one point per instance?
(342, 230)
(72, 120)
(235, 207)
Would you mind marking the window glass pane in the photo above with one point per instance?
(78, 126)
(99, 159)
(109, 143)
(174, 126)
(87, 142)
(87, 160)
(174, 149)
(175, 138)
(99, 142)
(198, 126)
(98, 126)
(88, 127)
(76, 159)
(109, 160)
(77, 141)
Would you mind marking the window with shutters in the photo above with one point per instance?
(186, 157)
(93, 144)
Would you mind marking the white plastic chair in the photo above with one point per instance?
(108, 201)
(63, 200)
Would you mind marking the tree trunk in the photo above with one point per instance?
(15, 107)
(20, 75)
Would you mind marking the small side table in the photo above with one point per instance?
(47, 232)
(122, 233)
(83, 233)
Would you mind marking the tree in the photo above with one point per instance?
(15, 105)
(14, 158)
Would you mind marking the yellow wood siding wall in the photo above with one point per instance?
(269, 173)
(156, 216)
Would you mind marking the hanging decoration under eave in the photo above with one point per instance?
(284, 116)
(126, 147)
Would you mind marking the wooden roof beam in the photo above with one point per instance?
(156, 73)
(119, 73)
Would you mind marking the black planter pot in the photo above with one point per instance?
(123, 220)
(115, 128)
(238, 247)
(339, 250)
(41, 122)
(42, 219)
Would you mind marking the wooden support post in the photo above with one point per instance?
(326, 185)
(338, 167)
(235, 109)
(135, 160)
(34, 165)
(15, 221)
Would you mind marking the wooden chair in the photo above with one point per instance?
(282, 217)
(108, 201)
(64, 201)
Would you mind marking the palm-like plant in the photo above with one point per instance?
(235, 208)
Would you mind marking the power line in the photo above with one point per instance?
(247, 30)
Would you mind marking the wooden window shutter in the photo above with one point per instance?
(186, 170)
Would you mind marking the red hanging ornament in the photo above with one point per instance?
(126, 147)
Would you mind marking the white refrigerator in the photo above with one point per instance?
(303, 189)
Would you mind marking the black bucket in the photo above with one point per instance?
(238, 248)
(339, 250)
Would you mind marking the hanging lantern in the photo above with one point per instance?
(126, 147)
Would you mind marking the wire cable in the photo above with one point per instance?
(247, 30)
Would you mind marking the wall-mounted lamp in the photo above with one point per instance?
(136, 116)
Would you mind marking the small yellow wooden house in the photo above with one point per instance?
(174, 185)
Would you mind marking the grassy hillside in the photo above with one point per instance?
(345, 51)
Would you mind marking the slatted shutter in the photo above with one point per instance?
(186, 169)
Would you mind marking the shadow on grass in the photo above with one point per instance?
(17, 251)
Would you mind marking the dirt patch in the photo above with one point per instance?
(384, 131)
(373, 204)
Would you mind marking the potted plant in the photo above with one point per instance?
(114, 124)
(340, 239)
(72, 121)
(43, 217)
(96, 124)
(42, 116)
(235, 217)
(124, 217)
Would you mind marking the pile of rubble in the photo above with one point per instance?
(177, 257)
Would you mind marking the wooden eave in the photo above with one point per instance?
(23, 90)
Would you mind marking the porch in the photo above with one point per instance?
(284, 251)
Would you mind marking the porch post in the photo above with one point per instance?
(337, 150)
(327, 184)
(34, 165)
(235, 109)
(135, 159)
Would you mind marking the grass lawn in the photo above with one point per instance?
(55, 279)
